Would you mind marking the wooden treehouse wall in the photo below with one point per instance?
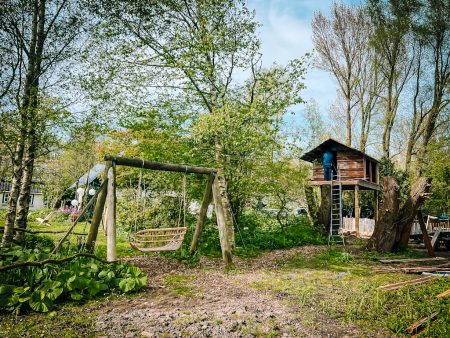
(352, 166)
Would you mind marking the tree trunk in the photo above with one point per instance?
(384, 234)
(325, 207)
(407, 213)
(23, 203)
(223, 191)
(20, 198)
(13, 194)
(392, 231)
(313, 208)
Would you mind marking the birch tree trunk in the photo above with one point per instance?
(23, 202)
(13, 194)
(20, 147)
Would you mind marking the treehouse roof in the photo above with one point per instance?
(334, 146)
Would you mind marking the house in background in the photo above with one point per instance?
(36, 196)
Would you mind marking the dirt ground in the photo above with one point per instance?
(207, 302)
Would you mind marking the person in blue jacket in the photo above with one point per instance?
(327, 160)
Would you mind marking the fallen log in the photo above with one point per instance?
(415, 327)
(396, 286)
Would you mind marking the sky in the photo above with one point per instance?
(286, 34)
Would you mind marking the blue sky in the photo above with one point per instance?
(286, 34)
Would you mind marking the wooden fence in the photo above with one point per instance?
(366, 226)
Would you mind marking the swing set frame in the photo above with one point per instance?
(106, 202)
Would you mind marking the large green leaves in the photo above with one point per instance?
(83, 278)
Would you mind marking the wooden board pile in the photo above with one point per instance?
(428, 273)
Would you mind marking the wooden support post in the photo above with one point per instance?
(357, 210)
(222, 224)
(111, 253)
(98, 213)
(375, 206)
(426, 238)
(207, 197)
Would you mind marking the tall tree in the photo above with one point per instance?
(341, 42)
(392, 20)
(38, 36)
(435, 33)
(194, 47)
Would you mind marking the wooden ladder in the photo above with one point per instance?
(335, 235)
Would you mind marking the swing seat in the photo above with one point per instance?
(159, 239)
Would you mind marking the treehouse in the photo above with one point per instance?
(336, 168)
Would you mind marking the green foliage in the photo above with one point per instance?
(438, 169)
(388, 168)
(40, 288)
(259, 232)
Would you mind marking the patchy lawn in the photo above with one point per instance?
(309, 291)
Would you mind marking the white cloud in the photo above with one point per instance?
(286, 34)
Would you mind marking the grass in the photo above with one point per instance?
(343, 287)
(71, 320)
(180, 284)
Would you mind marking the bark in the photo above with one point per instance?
(325, 207)
(313, 208)
(13, 194)
(20, 147)
(383, 237)
(392, 231)
(419, 192)
(223, 191)
(23, 203)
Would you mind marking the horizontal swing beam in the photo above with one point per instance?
(139, 163)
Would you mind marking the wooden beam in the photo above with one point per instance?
(111, 252)
(411, 260)
(415, 327)
(443, 294)
(221, 224)
(207, 197)
(98, 213)
(81, 214)
(140, 163)
(409, 282)
(357, 210)
(426, 238)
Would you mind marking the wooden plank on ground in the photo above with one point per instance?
(411, 260)
(415, 327)
(396, 286)
(423, 269)
(443, 294)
